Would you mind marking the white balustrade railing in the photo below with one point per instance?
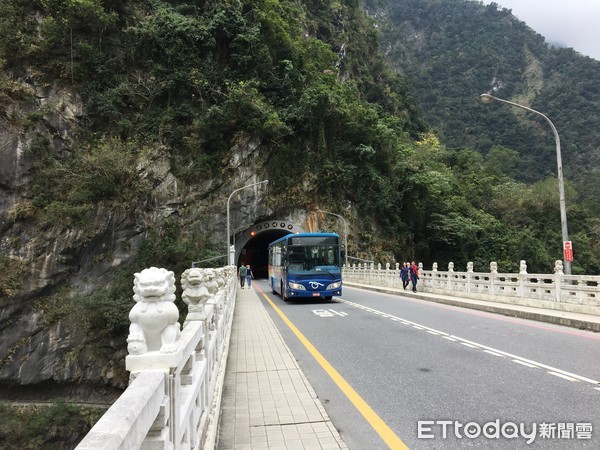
(175, 374)
(576, 293)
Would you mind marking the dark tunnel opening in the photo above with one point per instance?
(256, 253)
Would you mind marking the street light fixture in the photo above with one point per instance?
(345, 234)
(487, 98)
(241, 227)
(230, 251)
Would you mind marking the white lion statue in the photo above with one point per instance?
(194, 291)
(154, 325)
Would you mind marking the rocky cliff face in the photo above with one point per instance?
(43, 347)
(38, 258)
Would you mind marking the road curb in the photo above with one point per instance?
(548, 316)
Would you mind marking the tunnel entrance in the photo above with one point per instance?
(256, 253)
(251, 246)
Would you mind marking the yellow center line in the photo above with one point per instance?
(382, 429)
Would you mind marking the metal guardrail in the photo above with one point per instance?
(208, 260)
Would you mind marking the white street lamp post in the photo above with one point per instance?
(487, 98)
(230, 251)
(345, 234)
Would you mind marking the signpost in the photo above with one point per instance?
(568, 250)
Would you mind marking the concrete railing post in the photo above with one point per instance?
(522, 277)
(450, 275)
(558, 277)
(469, 275)
(493, 275)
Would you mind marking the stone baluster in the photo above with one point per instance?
(450, 275)
(434, 275)
(493, 276)
(558, 277)
(469, 275)
(522, 277)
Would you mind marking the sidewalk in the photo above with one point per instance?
(580, 321)
(267, 401)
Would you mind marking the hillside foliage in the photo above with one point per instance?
(310, 81)
(454, 50)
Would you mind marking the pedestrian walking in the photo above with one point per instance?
(404, 274)
(243, 271)
(414, 275)
(249, 276)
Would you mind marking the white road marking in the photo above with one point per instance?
(343, 314)
(433, 332)
(494, 351)
(469, 345)
(322, 313)
(525, 364)
(449, 338)
(560, 375)
(510, 355)
(598, 389)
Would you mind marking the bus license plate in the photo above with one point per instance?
(316, 294)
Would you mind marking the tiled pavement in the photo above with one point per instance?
(267, 401)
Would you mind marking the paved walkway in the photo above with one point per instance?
(267, 401)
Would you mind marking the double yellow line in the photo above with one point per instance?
(382, 429)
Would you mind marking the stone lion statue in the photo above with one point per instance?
(154, 325)
(194, 291)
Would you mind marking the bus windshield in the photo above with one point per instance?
(313, 254)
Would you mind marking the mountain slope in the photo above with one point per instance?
(455, 50)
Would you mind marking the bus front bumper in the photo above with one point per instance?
(293, 293)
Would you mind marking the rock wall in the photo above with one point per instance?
(48, 262)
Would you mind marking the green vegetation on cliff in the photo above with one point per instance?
(455, 50)
(308, 81)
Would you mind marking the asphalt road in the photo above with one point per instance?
(412, 360)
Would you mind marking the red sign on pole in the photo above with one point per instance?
(568, 250)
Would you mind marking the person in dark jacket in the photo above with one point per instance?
(404, 274)
(414, 275)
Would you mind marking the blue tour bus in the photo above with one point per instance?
(306, 265)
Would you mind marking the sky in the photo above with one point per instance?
(566, 23)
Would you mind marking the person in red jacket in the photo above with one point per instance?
(414, 275)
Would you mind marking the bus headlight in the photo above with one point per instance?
(335, 285)
(297, 286)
